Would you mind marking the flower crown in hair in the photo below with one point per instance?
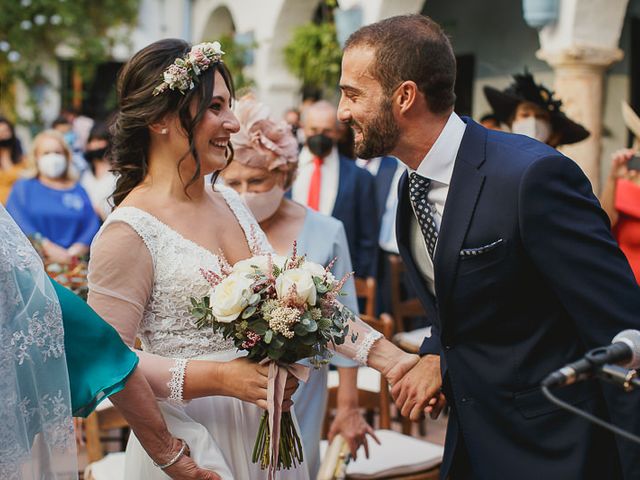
(183, 71)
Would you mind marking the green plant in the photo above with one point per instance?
(235, 57)
(32, 30)
(314, 55)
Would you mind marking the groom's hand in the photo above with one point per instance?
(419, 389)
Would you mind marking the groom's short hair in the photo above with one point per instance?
(411, 47)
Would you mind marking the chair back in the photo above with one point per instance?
(366, 290)
(403, 308)
(106, 417)
(373, 388)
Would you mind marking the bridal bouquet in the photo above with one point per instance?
(280, 310)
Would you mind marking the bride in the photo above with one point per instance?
(173, 128)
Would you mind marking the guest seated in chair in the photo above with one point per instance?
(53, 204)
(11, 165)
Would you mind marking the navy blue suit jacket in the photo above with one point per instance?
(383, 181)
(356, 208)
(550, 285)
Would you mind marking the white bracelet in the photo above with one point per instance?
(174, 459)
(176, 383)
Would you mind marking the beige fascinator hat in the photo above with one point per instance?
(262, 142)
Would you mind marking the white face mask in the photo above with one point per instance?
(264, 204)
(52, 165)
(532, 127)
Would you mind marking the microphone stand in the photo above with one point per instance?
(612, 373)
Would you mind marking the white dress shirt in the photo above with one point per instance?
(330, 178)
(387, 240)
(437, 165)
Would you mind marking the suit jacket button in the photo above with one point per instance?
(448, 347)
(464, 399)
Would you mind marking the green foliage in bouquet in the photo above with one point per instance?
(284, 331)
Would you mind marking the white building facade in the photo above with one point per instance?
(581, 49)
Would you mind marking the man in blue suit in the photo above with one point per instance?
(512, 258)
(386, 171)
(334, 185)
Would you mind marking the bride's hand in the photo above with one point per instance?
(247, 380)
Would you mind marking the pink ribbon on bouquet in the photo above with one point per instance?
(275, 395)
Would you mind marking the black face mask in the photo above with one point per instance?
(320, 145)
(7, 142)
(93, 155)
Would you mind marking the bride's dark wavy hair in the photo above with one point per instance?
(138, 108)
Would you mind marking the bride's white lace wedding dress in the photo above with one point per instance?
(220, 431)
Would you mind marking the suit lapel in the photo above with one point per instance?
(464, 189)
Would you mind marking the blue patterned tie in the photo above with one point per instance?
(418, 190)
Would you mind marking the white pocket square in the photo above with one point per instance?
(471, 252)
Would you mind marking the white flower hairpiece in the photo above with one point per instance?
(181, 73)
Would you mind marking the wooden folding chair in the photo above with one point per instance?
(105, 418)
(403, 309)
(373, 388)
(399, 457)
(366, 290)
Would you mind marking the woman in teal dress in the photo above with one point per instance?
(59, 359)
(264, 165)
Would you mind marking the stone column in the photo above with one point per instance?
(579, 83)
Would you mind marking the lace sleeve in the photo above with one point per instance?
(119, 294)
(365, 337)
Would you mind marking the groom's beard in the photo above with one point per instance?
(380, 135)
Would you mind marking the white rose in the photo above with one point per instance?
(230, 297)
(261, 261)
(317, 270)
(305, 288)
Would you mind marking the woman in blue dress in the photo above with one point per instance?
(53, 204)
(59, 359)
(264, 166)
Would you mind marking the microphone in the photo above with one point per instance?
(624, 351)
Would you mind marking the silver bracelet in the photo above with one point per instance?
(174, 459)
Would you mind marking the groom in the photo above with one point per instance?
(512, 259)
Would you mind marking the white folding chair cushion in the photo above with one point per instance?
(368, 379)
(110, 467)
(104, 405)
(414, 338)
(397, 455)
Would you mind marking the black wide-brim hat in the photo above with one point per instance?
(524, 89)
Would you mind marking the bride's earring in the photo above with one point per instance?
(164, 131)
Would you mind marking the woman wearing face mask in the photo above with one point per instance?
(53, 204)
(265, 163)
(530, 109)
(98, 180)
(10, 159)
